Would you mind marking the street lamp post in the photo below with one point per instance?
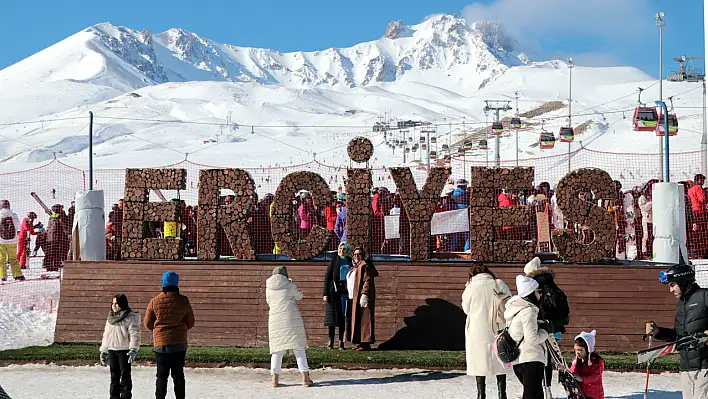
(661, 22)
(666, 136)
(570, 103)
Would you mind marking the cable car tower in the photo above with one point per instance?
(496, 106)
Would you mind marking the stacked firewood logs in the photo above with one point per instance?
(577, 195)
(360, 149)
(281, 219)
(137, 211)
(359, 212)
(231, 217)
(420, 206)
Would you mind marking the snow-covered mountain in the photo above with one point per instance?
(158, 97)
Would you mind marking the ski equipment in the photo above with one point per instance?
(689, 342)
(679, 274)
(41, 203)
(567, 379)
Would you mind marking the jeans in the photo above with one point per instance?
(170, 363)
(121, 382)
(276, 361)
(531, 377)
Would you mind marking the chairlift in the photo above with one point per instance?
(516, 123)
(483, 144)
(547, 141)
(433, 154)
(467, 145)
(673, 125)
(567, 135)
(497, 128)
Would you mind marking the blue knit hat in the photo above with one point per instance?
(170, 279)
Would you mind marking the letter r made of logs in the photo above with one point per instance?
(420, 206)
(232, 218)
(138, 211)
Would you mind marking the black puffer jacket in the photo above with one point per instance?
(691, 317)
(555, 302)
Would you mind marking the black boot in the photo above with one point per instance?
(481, 387)
(501, 386)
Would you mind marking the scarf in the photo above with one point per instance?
(117, 317)
(347, 250)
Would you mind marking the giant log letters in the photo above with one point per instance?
(138, 210)
(585, 182)
(359, 210)
(316, 241)
(232, 217)
(486, 242)
(420, 206)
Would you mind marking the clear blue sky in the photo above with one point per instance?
(594, 32)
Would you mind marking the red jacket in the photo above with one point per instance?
(330, 214)
(26, 229)
(591, 385)
(698, 198)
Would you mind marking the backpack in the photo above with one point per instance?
(7, 228)
(555, 304)
(506, 349)
(499, 300)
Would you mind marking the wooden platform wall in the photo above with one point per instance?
(418, 304)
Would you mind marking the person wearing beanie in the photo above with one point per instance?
(588, 366)
(286, 330)
(691, 318)
(525, 328)
(555, 307)
(169, 315)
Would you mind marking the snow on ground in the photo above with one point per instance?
(239, 382)
(21, 327)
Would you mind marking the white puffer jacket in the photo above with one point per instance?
(522, 318)
(285, 327)
(123, 335)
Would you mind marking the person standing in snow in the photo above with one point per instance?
(120, 346)
(588, 366)
(483, 296)
(554, 304)
(169, 316)
(9, 232)
(530, 332)
(286, 330)
(691, 318)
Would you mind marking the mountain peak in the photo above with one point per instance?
(395, 29)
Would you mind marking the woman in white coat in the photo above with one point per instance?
(525, 328)
(483, 296)
(120, 345)
(286, 330)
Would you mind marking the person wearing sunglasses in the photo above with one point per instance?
(691, 318)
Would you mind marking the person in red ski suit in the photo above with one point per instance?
(23, 240)
(588, 366)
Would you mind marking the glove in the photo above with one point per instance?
(104, 358)
(364, 301)
(651, 328)
(546, 325)
(132, 353)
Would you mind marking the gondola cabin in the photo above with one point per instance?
(445, 147)
(516, 123)
(483, 144)
(497, 128)
(424, 147)
(673, 125)
(468, 145)
(460, 151)
(547, 141)
(408, 150)
(433, 154)
(433, 139)
(645, 119)
(566, 134)
(422, 139)
(414, 148)
(410, 139)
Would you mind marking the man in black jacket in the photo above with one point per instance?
(691, 318)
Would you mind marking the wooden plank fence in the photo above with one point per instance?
(418, 303)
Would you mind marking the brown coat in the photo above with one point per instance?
(362, 325)
(169, 316)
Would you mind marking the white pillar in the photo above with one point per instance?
(669, 216)
(89, 230)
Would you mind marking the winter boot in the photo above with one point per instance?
(274, 380)
(481, 387)
(547, 391)
(501, 386)
(331, 343)
(341, 345)
(306, 381)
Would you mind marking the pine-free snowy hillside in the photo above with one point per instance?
(293, 107)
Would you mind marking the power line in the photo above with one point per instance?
(41, 121)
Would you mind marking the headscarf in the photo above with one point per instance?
(347, 250)
(280, 270)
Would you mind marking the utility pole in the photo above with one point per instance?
(486, 137)
(661, 22)
(570, 103)
(496, 106)
(516, 94)
(90, 150)
(427, 132)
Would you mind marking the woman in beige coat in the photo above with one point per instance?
(482, 324)
(120, 345)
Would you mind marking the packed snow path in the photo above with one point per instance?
(92, 382)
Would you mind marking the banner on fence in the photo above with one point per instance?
(457, 221)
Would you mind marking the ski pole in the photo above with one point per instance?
(646, 386)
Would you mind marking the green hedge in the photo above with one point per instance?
(316, 357)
